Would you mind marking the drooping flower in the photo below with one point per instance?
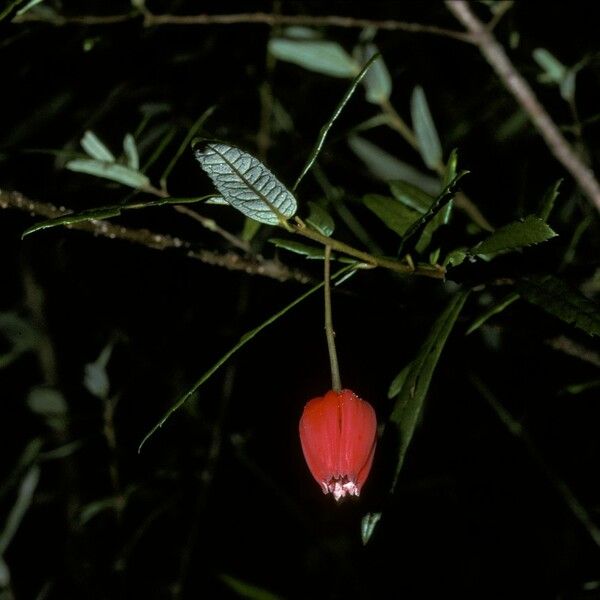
(338, 436)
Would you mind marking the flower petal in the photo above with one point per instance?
(357, 437)
(320, 437)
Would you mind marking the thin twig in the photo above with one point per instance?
(425, 270)
(158, 241)
(211, 225)
(500, 9)
(516, 429)
(249, 18)
(336, 384)
(396, 122)
(497, 58)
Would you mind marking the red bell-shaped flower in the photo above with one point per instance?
(338, 435)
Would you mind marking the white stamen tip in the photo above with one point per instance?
(340, 487)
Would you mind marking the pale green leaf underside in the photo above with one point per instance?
(378, 81)
(388, 168)
(367, 526)
(425, 131)
(321, 56)
(131, 152)
(246, 184)
(554, 70)
(95, 148)
(112, 171)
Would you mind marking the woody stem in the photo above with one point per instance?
(336, 383)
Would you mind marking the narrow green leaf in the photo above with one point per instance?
(9, 6)
(451, 166)
(411, 397)
(580, 229)
(49, 404)
(95, 378)
(388, 168)
(247, 590)
(105, 212)
(548, 200)
(512, 126)
(112, 171)
(562, 301)
(418, 228)
(531, 230)
(456, 257)
(554, 70)
(4, 570)
(400, 218)
(24, 499)
(251, 228)
(95, 148)
(394, 215)
(20, 334)
(425, 131)
(240, 344)
(411, 195)
(398, 381)
(28, 6)
(567, 85)
(89, 511)
(26, 459)
(378, 81)
(299, 248)
(494, 309)
(580, 388)
(375, 121)
(320, 220)
(86, 215)
(336, 113)
(131, 152)
(367, 526)
(62, 452)
(320, 56)
(46, 401)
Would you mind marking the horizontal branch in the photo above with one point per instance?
(407, 268)
(271, 19)
(158, 241)
(495, 55)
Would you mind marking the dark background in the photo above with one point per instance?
(222, 489)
